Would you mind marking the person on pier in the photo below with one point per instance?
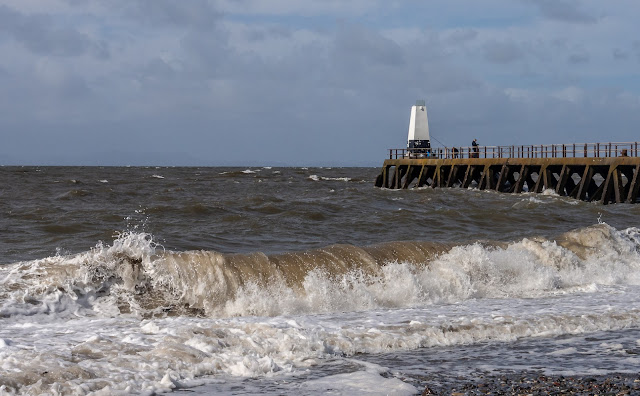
(476, 150)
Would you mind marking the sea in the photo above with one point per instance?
(302, 281)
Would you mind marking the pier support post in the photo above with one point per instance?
(519, 184)
(487, 180)
(421, 176)
(585, 182)
(562, 180)
(454, 175)
(542, 181)
(411, 174)
(470, 175)
(607, 187)
(437, 177)
(618, 190)
(634, 186)
(502, 178)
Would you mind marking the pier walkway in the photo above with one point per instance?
(594, 172)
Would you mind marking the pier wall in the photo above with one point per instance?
(595, 179)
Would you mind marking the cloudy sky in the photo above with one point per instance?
(308, 82)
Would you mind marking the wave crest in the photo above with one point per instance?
(136, 276)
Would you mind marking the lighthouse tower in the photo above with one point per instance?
(418, 141)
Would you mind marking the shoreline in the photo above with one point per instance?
(536, 383)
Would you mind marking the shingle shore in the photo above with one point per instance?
(538, 384)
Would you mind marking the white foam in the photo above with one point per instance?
(75, 284)
(368, 382)
(565, 351)
(346, 179)
(157, 176)
(161, 354)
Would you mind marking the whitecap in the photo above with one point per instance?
(346, 179)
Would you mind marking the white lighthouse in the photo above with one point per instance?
(418, 141)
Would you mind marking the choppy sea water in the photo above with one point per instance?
(302, 281)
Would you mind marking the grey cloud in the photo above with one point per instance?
(578, 58)
(260, 34)
(72, 88)
(28, 99)
(619, 54)
(200, 14)
(461, 36)
(40, 35)
(210, 55)
(156, 69)
(502, 52)
(443, 78)
(563, 10)
(636, 48)
(366, 47)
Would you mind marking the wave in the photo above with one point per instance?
(344, 179)
(136, 276)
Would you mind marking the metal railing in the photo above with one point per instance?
(573, 150)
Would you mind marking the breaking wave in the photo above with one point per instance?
(136, 276)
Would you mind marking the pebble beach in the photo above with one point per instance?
(532, 383)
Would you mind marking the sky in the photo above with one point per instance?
(308, 82)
